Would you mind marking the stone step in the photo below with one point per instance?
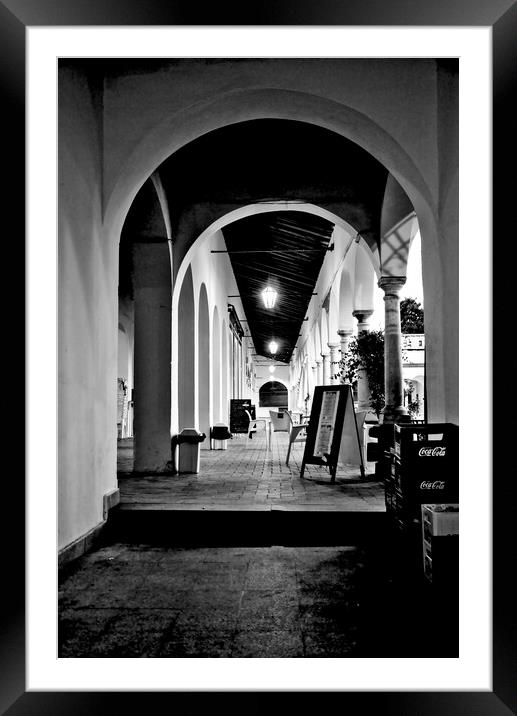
(158, 524)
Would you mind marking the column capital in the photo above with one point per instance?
(325, 355)
(362, 314)
(345, 332)
(391, 284)
(334, 345)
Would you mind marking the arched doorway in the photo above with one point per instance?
(273, 395)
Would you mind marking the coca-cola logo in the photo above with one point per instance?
(432, 452)
(436, 485)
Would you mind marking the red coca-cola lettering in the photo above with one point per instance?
(432, 452)
(436, 485)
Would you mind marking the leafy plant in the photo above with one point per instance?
(366, 351)
(411, 316)
(413, 406)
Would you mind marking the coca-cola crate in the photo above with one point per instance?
(418, 485)
(426, 443)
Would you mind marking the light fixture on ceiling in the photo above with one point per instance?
(272, 368)
(269, 297)
(273, 347)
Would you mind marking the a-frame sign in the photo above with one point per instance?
(332, 433)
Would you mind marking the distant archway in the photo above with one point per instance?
(273, 394)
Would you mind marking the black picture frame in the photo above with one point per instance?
(501, 15)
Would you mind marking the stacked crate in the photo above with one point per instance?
(440, 530)
(423, 468)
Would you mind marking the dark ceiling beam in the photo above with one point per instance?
(273, 251)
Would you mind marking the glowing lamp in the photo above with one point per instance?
(273, 347)
(269, 297)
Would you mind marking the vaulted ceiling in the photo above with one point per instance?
(284, 250)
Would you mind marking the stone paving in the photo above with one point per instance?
(249, 476)
(137, 601)
(134, 600)
(126, 600)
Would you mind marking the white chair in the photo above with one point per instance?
(280, 422)
(253, 423)
(297, 434)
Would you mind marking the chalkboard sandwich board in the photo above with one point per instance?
(332, 433)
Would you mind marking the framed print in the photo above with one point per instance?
(40, 38)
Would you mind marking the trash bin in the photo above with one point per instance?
(188, 443)
(219, 436)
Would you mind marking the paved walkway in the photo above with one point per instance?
(248, 476)
(127, 600)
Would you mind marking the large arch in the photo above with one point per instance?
(175, 130)
(178, 129)
(186, 353)
(203, 364)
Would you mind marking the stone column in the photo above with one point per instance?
(363, 389)
(363, 324)
(393, 382)
(314, 369)
(345, 334)
(325, 368)
(319, 371)
(152, 408)
(334, 363)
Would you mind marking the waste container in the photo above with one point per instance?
(219, 436)
(188, 447)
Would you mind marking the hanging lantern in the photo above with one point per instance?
(269, 297)
(273, 347)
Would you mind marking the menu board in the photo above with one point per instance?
(332, 434)
(326, 423)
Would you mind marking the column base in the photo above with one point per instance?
(394, 415)
(167, 469)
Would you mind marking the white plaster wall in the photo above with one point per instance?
(87, 318)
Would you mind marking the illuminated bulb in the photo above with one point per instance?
(273, 347)
(271, 368)
(269, 297)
